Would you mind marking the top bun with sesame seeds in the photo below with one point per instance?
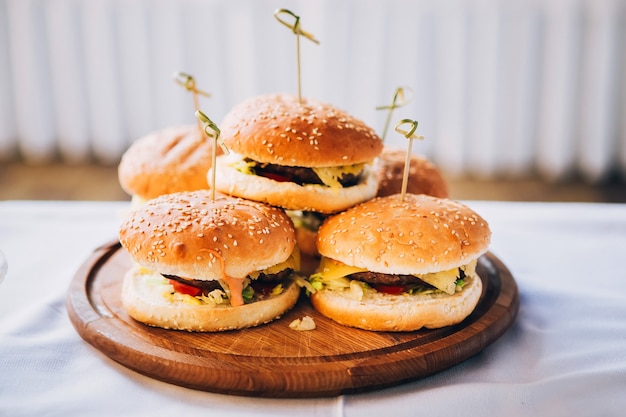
(424, 176)
(393, 264)
(166, 161)
(207, 264)
(306, 155)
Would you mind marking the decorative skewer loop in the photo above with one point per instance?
(295, 26)
(189, 83)
(212, 131)
(399, 100)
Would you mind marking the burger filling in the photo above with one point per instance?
(197, 287)
(334, 177)
(337, 276)
(255, 287)
(310, 220)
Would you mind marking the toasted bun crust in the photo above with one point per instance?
(289, 195)
(189, 235)
(419, 235)
(276, 128)
(307, 241)
(424, 176)
(309, 263)
(384, 312)
(145, 303)
(167, 161)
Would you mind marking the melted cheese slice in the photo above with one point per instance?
(444, 280)
(292, 262)
(242, 166)
(330, 175)
(332, 270)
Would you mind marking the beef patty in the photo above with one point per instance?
(389, 279)
(208, 286)
(300, 175)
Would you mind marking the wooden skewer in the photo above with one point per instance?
(297, 30)
(410, 135)
(212, 131)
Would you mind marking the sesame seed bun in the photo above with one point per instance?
(145, 302)
(424, 176)
(419, 235)
(414, 236)
(167, 161)
(187, 234)
(190, 238)
(277, 129)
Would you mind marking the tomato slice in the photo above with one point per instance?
(184, 288)
(274, 177)
(391, 289)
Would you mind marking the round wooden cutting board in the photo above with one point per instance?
(273, 360)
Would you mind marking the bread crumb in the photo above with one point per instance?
(305, 323)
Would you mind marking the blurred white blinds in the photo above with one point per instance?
(501, 87)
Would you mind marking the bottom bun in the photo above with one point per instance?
(399, 313)
(145, 298)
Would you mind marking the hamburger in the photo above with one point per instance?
(424, 176)
(308, 157)
(166, 161)
(203, 264)
(399, 265)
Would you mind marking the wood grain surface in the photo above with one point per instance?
(273, 360)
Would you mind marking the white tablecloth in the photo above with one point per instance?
(564, 355)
